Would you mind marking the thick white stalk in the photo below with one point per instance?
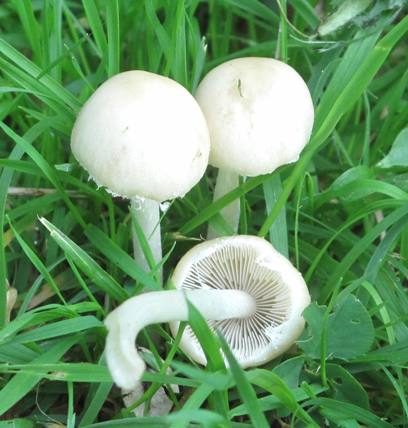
(147, 214)
(125, 322)
(226, 181)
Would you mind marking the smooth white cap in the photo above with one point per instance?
(249, 264)
(141, 134)
(259, 112)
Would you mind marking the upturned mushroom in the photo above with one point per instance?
(142, 136)
(260, 115)
(241, 284)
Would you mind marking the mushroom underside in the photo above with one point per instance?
(241, 268)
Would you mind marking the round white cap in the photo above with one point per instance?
(252, 265)
(259, 112)
(141, 134)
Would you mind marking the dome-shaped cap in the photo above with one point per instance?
(259, 112)
(250, 264)
(141, 134)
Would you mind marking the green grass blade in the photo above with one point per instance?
(5, 180)
(59, 328)
(276, 386)
(26, 13)
(20, 384)
(350, 411)
(84, 262)
(96, 25)
(39, 265)
(98, 398)
(117, 256)
(66, 372)
(50, 84)
(45, 167)
(245, 389)
(113, 32)
(211, 349)
(278, 233)
(335, 278)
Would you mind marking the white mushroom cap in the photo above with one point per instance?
(252, 265)
(259, 112)
(141, 134)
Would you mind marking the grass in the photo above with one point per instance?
(340, 213)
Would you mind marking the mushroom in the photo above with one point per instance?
(260, 115)
(247, 290)
(143, 137)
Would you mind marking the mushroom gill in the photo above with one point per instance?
(239, 267)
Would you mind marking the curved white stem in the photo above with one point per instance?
(125, 322)
(226, 181)
(147, 214)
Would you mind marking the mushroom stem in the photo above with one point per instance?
(226, 182)
(147, 214)
(125, 322)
